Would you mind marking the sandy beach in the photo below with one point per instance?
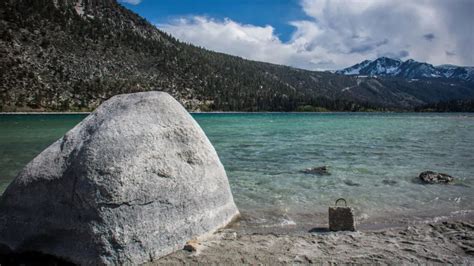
(431, 243)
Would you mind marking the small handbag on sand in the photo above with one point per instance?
(341, 218)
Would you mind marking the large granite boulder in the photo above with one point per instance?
(133, 181)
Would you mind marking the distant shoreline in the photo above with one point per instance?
(237, 112)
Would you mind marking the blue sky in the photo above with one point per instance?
(256, 12)
(320, 34)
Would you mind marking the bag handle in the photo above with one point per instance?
(341, 199)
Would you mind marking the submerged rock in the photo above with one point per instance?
(430, 177)
(351, 183)
(132, 182)
(321, 170)
(389, 182)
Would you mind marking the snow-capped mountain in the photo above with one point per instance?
(451, 71)
(409, 69)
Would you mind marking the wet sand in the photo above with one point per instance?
(430, 242)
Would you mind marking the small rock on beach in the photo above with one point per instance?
(192, 245)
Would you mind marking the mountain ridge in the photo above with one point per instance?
(71, 55)
(409, 69)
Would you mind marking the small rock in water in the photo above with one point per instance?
(321, 170)
(351, 183)
(389, 182)
(430, 177)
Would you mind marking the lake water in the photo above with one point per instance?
(373, 159)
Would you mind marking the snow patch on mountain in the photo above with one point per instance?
(79, 6)
(409, 69)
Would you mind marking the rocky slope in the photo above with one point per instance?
(409, 69)
(71, 55)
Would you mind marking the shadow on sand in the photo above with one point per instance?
(319, 230)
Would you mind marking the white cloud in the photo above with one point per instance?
(132, 2)
(345, 32)
(248, 41)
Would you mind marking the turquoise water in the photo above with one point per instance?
(374, 160)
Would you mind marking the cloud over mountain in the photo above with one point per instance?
(336, 34)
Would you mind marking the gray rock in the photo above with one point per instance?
(132, 182)
(430, 177)
(351, 183)
(389, 182)
(321, 170)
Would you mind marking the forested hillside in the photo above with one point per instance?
(71, 55)
(448, 106)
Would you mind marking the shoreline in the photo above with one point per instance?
(450, 241)
(238, 112)
(319, 222)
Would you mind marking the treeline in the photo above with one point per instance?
(448, 106)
